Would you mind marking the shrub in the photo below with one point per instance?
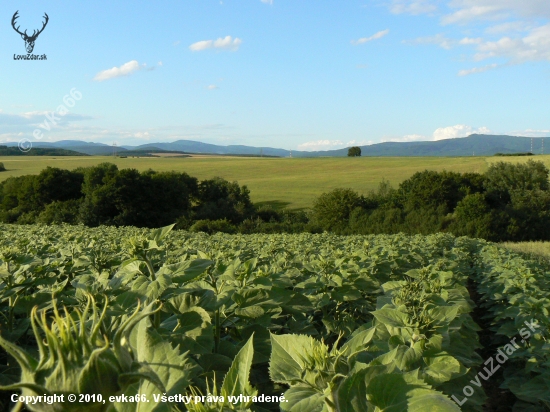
(474, 218)
(431, 189)
(505, 177)
(219, 199)
(53, 184)
(268, 214)
(27, 218)
(380, 220)
(19, 195)
(2, 168)
(424, 220)
(61, 212)
(332, 210)
(529, 212)
(128, 197)
(213, 226)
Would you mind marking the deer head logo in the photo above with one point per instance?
(29, 40)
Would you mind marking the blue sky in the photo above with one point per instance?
(310, 75)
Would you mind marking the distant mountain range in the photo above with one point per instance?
(39, 151)
(473, 145)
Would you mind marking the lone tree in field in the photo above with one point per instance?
(354, 151)
(2, 168)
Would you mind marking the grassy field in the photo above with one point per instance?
(536, 249)
(293, 183)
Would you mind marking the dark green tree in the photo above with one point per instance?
(431, 190)
(53, 184)
(332, 210)
(60, 212)
(99, 206)
(130, 198)
(354, 151)
(18, 197)
(169, 197)
(505, 177)
(475, 218)
(219, 199)
(529, 213)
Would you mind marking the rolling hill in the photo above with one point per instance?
(473, 145)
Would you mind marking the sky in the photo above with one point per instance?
(302, 75)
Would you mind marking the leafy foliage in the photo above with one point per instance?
(104, 195)
(516, 295)
(354, 151)
(213, 226)
(219, 199)
(331, 323)
(508, 202)
(332, 210)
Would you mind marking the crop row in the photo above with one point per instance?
(515, 293)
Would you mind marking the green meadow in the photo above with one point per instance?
(281, 182)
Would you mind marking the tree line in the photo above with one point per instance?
(509, 202)
(105, 195)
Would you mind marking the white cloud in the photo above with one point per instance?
(143, 135)
(267, 1)
(465, 11)
(466, 72)
(439, 40)
(468, 10)
(212, 87)
(359, 143)
(226, 43)
(509, 27)
(465, 15)
(321, 145)
(407, 138)
(124, 70)
(451, 132)
(533, 47)
(37, 117)
(412, 6)
(531, 133)
(331, 144)
(459, 130)
(469, 40)
(375, 36)
(515, 32)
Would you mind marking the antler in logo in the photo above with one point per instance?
(29, 40)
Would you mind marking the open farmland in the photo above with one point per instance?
(316, 322)
(533, 249)
(294, 183)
